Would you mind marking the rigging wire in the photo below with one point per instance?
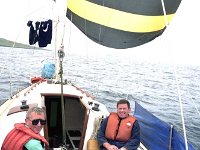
(16, 38)
(165, 14)
(95, 79)
(61, 44)
(195, 106)
(177, 84)
(61, 54)
(98, 83)
(181, 108)
(10, 68)
(193, 102)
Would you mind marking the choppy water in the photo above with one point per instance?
(112, 77)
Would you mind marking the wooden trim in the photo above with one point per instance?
(46, 129)
(84, 130)
(17, 109)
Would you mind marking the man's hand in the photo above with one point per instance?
(113, 147)
(110, 147)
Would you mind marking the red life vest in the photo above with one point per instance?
(18, 136)
(119, 130)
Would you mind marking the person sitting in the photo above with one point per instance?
(120, 130)
(26, 136)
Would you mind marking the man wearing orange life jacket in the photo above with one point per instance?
(25, 136)
(119, 131)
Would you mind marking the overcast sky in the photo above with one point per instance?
(180, 42)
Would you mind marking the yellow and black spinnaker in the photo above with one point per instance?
(121, 23)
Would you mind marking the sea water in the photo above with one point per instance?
(112, 77)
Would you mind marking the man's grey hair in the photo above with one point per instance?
(37, 110)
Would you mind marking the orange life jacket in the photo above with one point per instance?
(119, 130)
(18, 136)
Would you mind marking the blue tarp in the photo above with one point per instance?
(155, 133)
(48, 70)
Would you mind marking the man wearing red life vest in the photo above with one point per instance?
(119, 131)
(25, 136)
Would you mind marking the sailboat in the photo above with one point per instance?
(73, 115)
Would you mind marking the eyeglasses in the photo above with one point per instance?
(36, 121)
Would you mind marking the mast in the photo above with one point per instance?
(61, 55)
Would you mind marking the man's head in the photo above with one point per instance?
(123, 108)
(35, 119)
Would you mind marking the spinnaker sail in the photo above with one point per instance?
(122, 23)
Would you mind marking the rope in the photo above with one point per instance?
(181, 107)
(165, 14)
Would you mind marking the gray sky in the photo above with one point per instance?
(178, 44)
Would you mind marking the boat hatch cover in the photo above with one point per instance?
(21, 108)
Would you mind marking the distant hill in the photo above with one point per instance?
(7, 43)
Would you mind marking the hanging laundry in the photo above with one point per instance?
(41, 33)
(33, 33)
(45, 33)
